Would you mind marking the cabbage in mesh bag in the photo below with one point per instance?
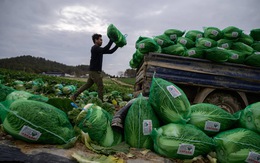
(237, 145)
(176, 49)
(255, 33)
(37, 122)
(250, 117)
(148, 45)
(139, 122)
(241, 47)
(182, 141)
(246, 39)
(186, 42)
(163, 40)
(217, 54)
(232, 32)
(237, 57)
(116, 36)
(169, 101)
(225, 43)
(213, 33)
(194, 52)
(211, 119)
(96, 121)
(174, 33)
(205, 43)
(253, 60)
(194, 35)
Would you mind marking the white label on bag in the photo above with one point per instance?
(208, 44)
(225, 45)
(199, 35)
(234, 34)
(147, 127)
(214, 32)
(186, 149)
(234, 56)
(253, 157)
(212, 126)
(173, 37)
(142, 46)
(159, 41)
(183, 41)
(173, 91)
(30, 133)
(191, 52)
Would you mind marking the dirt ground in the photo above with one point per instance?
(20, 151)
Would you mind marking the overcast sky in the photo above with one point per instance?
(61, 30)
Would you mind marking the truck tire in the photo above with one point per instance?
(225, 101)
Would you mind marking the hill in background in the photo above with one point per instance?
(38, 65)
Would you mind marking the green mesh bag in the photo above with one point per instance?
(205, 43)
(225, 43)
(188, 43)
(213, 33)
(148, 45)
(163, 40)
(194, 52)
(231, 32)
(236, 57)
(211, 119)
(176, 49)
(237, 145)
(116, 36)
(194, 35)
(4, 91)
(253, 60)
(169, 101)
(38, 122)
(139, 122)
(246, 39)
(241, 47)
(181, 141)
(138, 56)
(217, 54)
(174, 33)
(255, 33)
(256, 46)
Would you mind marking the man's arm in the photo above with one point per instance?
(112, 50)
(107, 47)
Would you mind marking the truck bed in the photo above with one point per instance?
(197, 72)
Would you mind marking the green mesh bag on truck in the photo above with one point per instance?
(174, 33)
(169, 101)
(241, 47)
(181, 141)
(194, 52)
(163, 40)
(217, 54)
(236, 57)
(139, 122)
(148, 45)
(140, 38)
(176, 49)
(255, 33)
(253, 60)
(38, 122)
(205, 43)
(246, 39)
(133, 64)
(138, 56)
(256, 46)
(231, 32)
(237, 145)
(188, 43)
(213, 33)
(211, 119)
(194, 35)
(250, 117)
(4, 91)
(116, 36)
(225, 43)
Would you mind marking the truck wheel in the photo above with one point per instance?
(225, 101)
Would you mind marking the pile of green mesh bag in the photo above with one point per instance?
(230, 44)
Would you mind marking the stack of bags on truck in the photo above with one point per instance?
(228, 45)
(169, 125)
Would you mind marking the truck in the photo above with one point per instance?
(228, 85)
